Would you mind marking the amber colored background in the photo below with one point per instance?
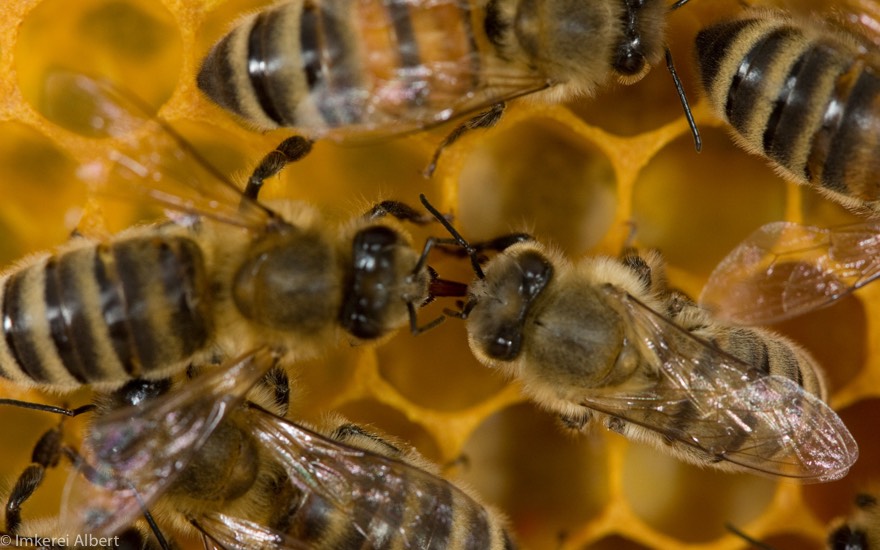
(622, 162)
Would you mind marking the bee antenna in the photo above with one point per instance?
(471, 251)
(748, 539)
(678, 4)
(698, 142)
(160, 538)
(47, 408)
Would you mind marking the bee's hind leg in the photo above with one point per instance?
(486, 119)
(46, 454)
(290, 150)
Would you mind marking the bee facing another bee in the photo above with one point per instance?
(339, 68)
(201, 461)
(587, 341)
(802, 93)
(233, 276)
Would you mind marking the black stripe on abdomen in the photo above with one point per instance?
(261, 66)
(787, 132)
(18, 327)
(114, 310)
(187, 293)
(147, 268)
(68, 327)
(712, 47)
(855, 141)
(749, 82)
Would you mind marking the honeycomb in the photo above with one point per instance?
(588, 176)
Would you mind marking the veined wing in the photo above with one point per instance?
(130, 457)
(784, 269)
(379, 500)
(236, 533)
(147, 158)
(725, 408)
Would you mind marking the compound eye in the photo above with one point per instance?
(629, 61)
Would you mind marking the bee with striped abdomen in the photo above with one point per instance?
(339, 68)
(802, 93)
(233, 275)
(586, 341)
(204, 462)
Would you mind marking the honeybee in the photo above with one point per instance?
(348, 68)
(231, 275)
(785, 269)
(802, 93)
(204, 462)
(587, 342)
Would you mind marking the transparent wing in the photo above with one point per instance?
(719, 405)
(383, 501)
(785, 269)
(236, 533)
(861, 18)
(145, 157)
(419, 67)
(132, 455)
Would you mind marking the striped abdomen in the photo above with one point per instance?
(352, 65)
(104, 314)
(799, 95)
(370, 501)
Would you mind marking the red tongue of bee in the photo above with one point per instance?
(443, 287)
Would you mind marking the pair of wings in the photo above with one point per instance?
(735, 412)
(131, 458)
(784, 269)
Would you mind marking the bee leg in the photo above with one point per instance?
(46, 454)
(615, 424)
(357, 436)
(486, 119)
(290, 150)
(278, 383)
(457, 239)
(399, 210)
(575, 422)
(638, 265)
(676, 301)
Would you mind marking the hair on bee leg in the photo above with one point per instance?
(399, 210)
(290, 150)
(485, 119)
